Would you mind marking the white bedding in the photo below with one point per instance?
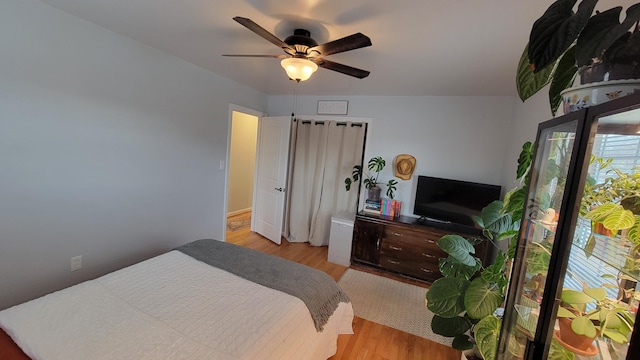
(171, 307)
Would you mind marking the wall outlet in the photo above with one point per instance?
(76, 263)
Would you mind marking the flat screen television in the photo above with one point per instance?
(452, 201)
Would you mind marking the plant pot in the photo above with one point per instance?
(373, 194)
(583, 96)
(599, 228)
(608, 72)
(572, 339)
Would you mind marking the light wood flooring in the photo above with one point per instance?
(370, 340)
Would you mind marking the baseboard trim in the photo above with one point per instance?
(238, 212)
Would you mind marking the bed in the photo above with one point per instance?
(204, 300)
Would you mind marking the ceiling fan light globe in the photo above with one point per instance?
(298, 69)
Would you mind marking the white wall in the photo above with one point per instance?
(462, 138)
(523, 127)
(109, 149)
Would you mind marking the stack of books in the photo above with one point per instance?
(390, 208)
(372, 207)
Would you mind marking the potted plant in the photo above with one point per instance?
(563, 43)
(614, 204)
(587, 314)
(464, 301)
(375, 166)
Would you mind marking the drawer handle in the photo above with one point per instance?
(394, 248)
(397, 234)
(378, 244)
(393, 261)
(426, 270)
(428, 255)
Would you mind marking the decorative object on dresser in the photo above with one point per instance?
(403, 246)
(405, 164)
(375, 165)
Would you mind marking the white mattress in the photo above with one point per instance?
(171, 307)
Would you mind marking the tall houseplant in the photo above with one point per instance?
(465, 299)
(370, 180)
(563, 43)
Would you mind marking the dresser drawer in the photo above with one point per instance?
(426, 238)
(421, 270)
(411, 249)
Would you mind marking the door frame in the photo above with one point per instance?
(241, 109)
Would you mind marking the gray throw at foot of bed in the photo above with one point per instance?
(320, 293)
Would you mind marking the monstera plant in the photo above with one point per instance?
(370, 179)
(563, 43)
(465, 299)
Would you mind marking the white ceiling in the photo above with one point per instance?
(420, 47)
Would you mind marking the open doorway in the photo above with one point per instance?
(241, 169)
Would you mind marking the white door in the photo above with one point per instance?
(271, 180)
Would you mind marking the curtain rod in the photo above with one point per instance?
(320, 122)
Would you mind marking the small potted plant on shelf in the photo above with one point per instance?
(612, 205)
(375, 166)
(563, 43)
(587, 314)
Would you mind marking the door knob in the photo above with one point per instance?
(279, 189)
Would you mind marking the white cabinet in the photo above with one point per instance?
(340, 239)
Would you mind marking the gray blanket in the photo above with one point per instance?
(315, 288)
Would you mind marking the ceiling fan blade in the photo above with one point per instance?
(347, 43)
(257, 56)
(345, 69)
(249, 24)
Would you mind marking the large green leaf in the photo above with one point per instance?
(601, 212)
(494, 272)
(553, 33)
(618, 220)
(625, 50)
(634, 232)
(445, 297)
(563, 78)
(486, 333)
(514, 203)
(482, 298)
(529, 82)
(494, 219)
(602, 30)
(462, 342)
(450, 327)
(582, 325)
(459, 248)
(564, 313)
(598, 294)
(450, 267)
(376, 164)
(574, 297)
(524, 159)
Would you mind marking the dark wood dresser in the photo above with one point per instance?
(406, 246)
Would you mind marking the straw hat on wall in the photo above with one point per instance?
(405, 164)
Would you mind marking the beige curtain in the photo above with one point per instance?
(323, 155)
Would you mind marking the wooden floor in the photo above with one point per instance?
(370, 340)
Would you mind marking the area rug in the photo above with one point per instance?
(389, 302)
(237, 224)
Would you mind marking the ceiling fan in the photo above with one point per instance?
(304, 55)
